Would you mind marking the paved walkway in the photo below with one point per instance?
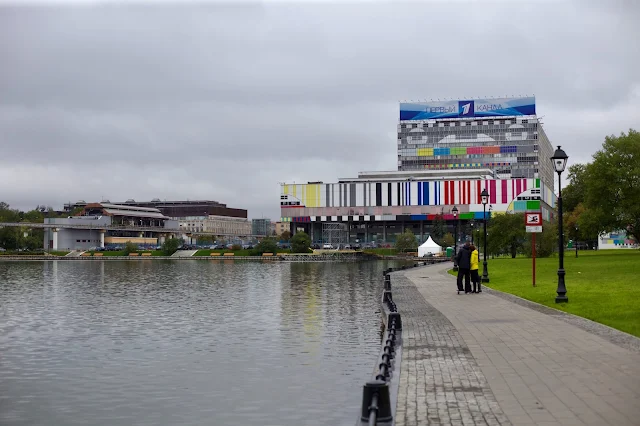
(481, 359)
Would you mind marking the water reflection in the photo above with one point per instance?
(189, 342)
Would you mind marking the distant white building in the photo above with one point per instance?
(219, 225)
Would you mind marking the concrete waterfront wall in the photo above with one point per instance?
(380, 394)
(277, 258)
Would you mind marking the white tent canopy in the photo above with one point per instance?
(429, 246)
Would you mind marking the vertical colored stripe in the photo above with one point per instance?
(478, 192)
(468, 192)
(452, 196)
(446, 192)
(425, 194)
(492, 192)
(524, 184)
(419, 193)
(518, 186)
(504, 192)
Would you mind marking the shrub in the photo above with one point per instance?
(267, 245)
(170, 246)
(406, 241)
(300, 243)
(130, 247)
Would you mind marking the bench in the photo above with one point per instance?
(215, 254)
(134, 254)
(98, 254)
(145, 254)
(85, 254)
(229, 254)
(267, 254)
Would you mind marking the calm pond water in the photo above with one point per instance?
(186, 342)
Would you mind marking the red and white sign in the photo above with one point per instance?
(533, 219)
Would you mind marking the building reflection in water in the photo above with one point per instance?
(300, 307)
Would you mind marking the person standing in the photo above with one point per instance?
(463, 259)
(475, 262)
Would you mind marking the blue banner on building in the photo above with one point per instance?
(468, 108)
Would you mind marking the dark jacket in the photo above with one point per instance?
(463, 258)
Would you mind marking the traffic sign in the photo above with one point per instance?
(534, 228)
(533, 219)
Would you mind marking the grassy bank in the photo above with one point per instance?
(382, 251)
(601, 285)
(122, 253)
(235, 252)
(33, 253)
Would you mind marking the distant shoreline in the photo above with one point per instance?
(341, 257)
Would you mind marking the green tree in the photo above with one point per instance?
(546, 242)
(170, 246)
(574, 193)
(612, 183)
(285, 236)
(447, 240)
(438, 227)
(300, 242)
(406, 241)
(266, 245)
(507, 233)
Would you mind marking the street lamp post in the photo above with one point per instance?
(455, 239)
(485, 199)
(576, 241)
(559, 163)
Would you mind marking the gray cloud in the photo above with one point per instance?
(225, 101)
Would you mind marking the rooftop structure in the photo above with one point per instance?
(501, 134)
(175, 209)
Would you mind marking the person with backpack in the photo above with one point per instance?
(463, 259)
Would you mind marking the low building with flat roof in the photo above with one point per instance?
(101, 224)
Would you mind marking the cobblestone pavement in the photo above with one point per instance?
(440, 382)
(529, 367)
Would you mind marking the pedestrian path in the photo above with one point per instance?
(481, 359)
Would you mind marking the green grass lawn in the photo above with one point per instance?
(121, 253)
(601, 285)
(237, 252)
(382, 251)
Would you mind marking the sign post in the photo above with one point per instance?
(533, 224)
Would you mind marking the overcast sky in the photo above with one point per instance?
(222, 102)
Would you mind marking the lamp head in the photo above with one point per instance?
(559, 160)
(485, 196)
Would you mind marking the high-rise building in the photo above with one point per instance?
(503, 135)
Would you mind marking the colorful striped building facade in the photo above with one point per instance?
(411, 201)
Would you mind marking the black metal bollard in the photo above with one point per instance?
(395, 316)
(387, 282)
(387, 296)
(390, 270)
(375, 398)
